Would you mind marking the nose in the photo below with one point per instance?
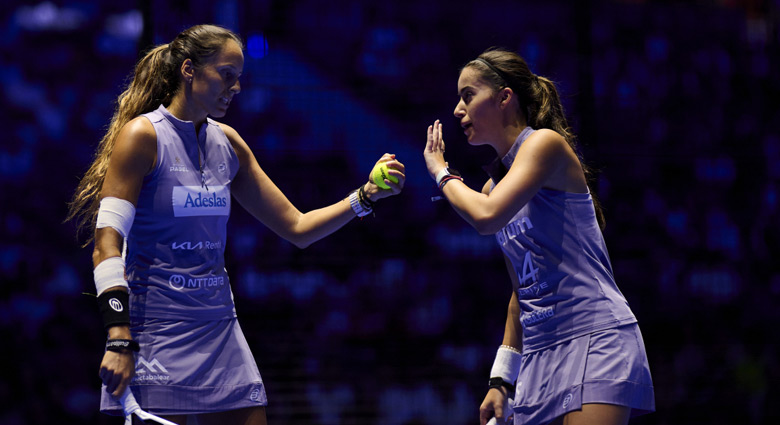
(236, 88)
(460, 110)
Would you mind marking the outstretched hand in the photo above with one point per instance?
(434, 150)
(394, 168)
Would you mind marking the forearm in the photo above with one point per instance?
(317, 224)
(513, 333)
(109, 275)
(506, 365)
(108, 243)
(472, 206)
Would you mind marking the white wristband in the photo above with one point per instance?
(110, 273)
(117, 214)
(441, 174)
(507, 364)
(357, 207)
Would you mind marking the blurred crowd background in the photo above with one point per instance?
(395, 319)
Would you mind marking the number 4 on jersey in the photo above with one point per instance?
(530, 273)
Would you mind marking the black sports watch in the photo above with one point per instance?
(498, 382)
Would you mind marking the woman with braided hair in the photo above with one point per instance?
(158, 196)
(572, 352)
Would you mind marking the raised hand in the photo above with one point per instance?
(434, 149)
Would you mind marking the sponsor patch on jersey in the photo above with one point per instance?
(189, 201)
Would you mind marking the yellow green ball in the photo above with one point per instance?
(379, 174)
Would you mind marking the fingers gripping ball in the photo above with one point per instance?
(379, 174)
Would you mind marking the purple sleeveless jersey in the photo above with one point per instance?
(175, 249)
(558, 252)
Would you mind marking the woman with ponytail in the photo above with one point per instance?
(158, 196)
(572, 352)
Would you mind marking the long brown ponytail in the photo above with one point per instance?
(538, 100)
(155, 81)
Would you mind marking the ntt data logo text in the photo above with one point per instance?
(179, 282)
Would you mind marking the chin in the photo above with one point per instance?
(475, 142)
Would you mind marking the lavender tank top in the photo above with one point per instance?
(175, 249)
(567, 288)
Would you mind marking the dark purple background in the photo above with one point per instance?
(395, 319)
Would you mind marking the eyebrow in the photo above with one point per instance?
(232, 68)
(460, 93)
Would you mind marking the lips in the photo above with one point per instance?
(225, 101)
(466, 126)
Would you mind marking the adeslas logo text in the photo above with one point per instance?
(210, 201)
(191, 201)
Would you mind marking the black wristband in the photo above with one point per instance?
(364, 198)
(498, 382)
(114, 308)
(119, 345)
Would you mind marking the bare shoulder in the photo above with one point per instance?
(139, 128)
(546, 138)
(235, 139)
(138, 138)
(546, 148)
(133, 156)
(550, 150)
(230, 132)
(239, 145)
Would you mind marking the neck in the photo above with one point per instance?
(508, 137)
(181, 108)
